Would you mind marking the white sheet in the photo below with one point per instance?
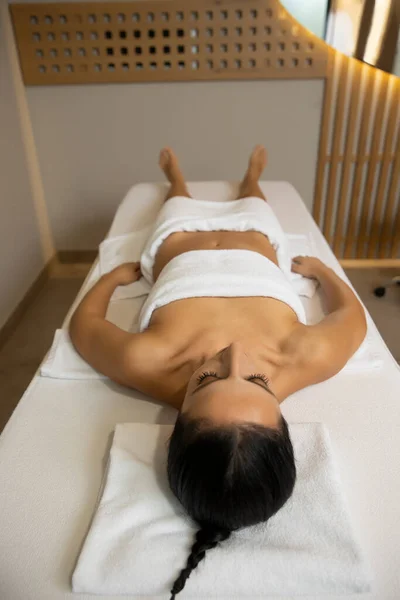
(52, 450)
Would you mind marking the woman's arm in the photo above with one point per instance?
(102, 344)
(328, 345)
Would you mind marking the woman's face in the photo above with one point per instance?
(232, 387)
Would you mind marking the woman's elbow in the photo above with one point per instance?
(362, 326)
(75, 329)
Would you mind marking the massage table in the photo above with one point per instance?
(54, 449)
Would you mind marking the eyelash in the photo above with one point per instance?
(203, 376)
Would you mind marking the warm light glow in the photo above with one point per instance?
(343, 25)
(377, 32)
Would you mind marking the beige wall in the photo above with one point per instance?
(95, 141)
(21, 249)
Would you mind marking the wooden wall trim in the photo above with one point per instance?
(370, 263)
(77, 256)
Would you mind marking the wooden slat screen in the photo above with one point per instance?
(357, 193)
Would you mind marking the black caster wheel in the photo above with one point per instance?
(380, 291)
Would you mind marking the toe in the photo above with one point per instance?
(164, 157)
(257, 149)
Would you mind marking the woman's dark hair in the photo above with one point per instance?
(227, 478)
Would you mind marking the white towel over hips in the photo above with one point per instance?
(186, 214)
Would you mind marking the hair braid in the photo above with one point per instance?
(206, 538)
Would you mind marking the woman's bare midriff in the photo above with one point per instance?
(185, 241)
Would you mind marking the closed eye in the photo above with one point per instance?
(260, 381)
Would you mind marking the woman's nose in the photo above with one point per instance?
(234, 358)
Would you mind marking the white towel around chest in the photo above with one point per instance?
(220, 274)
(140, 538)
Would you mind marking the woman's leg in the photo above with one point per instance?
(249, 185)
(169, 164)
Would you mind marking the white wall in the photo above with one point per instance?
(310, 13)
(21, 249)
(95, 141)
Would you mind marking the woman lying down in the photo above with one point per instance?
(226, 352)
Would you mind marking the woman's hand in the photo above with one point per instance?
(308, 266)
(126, 273)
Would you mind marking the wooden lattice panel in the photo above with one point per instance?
(357, 195)
(163, 41)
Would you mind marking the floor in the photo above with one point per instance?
(384, 311)
(24, 350)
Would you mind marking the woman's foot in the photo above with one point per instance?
(169, 164)
(257, 163)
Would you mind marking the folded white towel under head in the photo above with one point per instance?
(139, 539)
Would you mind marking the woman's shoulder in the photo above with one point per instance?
(153, 368)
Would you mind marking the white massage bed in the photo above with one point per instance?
(54, 448)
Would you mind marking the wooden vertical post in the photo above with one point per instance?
(348, 155)
(362, 143)
(337, 134)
